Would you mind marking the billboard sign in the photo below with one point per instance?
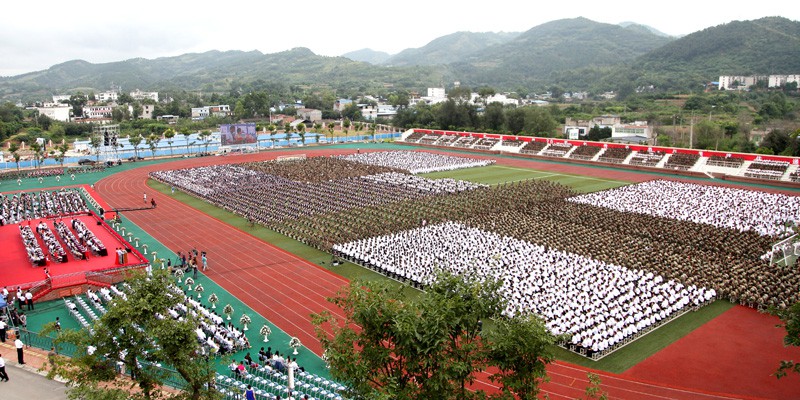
(234, 134)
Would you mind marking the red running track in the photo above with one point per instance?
(286, 289)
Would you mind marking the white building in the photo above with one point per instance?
(220, 111)
(59, 98)
(618, 129)
(93, 112)
(55, 112)
(140, 95)
(776, 81)
(107, 96)
(736, 82)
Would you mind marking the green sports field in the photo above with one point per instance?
(497, 174)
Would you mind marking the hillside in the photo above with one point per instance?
(562, 45)
(575, 54)
(764, 46)
(450, 48)
(368, 56)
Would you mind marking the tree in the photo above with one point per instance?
(37, 150)
(169, 134)
(61, 151)
(346, 125)
(152, 143)
(494, 117)
(135, 142)
(791, 322)
(520, 362)
(431, 347)
(131, 333)
(77, 101)
(301, 130)
(206, 136)
(14, 150)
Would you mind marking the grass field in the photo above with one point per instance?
(496, 174)
(617, 362)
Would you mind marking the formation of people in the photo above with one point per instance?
(744, 210)
(416, 162)
(597, 303)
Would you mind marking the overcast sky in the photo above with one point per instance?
(35, 36)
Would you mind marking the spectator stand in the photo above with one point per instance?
(766, 169)
(585, 152)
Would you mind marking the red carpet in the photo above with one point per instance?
(735, 353)
(17, 270)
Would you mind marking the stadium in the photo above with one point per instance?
(659, 277)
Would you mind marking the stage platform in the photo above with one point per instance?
(17, 270)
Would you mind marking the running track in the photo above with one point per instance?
(286, 289)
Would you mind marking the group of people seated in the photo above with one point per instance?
(211, 331)
(35, 253)
(54, 247)
(599, 303)
(86, 236)
(76, 248)
(417, 162)
(28, 206)
(266, 357)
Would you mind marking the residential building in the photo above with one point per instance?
(55, 112)
(219, 111)
(368, 111)
(147, 111)
(170, 119)
(341, 104)
(309, 114)
(97, 111)
(140, 95)
(107, 96)
(639, 129)
(61, 98)
(776, 81)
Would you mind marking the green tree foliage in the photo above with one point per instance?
(77, 101)
(431, 347)
(135, 141)
(777, 141)
(790, 317)
(597, 133)
(494, 117)
(131, 334)
(520, 361)
(152, 142)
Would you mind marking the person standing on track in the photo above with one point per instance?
(145, 198)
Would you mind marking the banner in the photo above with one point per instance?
(232, 134)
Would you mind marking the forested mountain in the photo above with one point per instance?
(450, 48)
(573, 54)
(368, 56)
(560, 45)
(647, 28)
(760, 47)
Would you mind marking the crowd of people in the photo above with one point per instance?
(597, 304)
(27, 206)
(267, 199)
(702, 240)
(744, 210)
(416, 162)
